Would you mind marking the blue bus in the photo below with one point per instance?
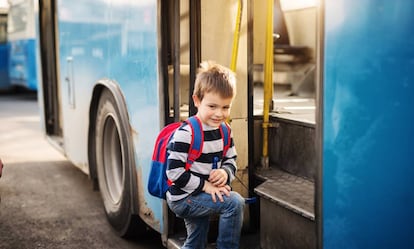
(24, 66)
(4, 52)
(322, 117)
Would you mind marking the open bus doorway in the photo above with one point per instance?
(285, 153)
(195, 31)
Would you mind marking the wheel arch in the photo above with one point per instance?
(114, 88)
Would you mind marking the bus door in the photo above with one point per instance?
(49, 92)
(368, 90)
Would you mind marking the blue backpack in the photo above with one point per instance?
(158, 183)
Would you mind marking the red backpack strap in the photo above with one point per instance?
(197, 138)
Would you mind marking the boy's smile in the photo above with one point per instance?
(212, 109)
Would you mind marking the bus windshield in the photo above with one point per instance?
(18, 17)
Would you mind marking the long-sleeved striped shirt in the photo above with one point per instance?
(192, 181)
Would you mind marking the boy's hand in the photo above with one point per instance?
(218, 177)
(214, 191)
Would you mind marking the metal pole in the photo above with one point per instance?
(176, 65)
(268, 83)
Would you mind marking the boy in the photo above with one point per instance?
(205, 189)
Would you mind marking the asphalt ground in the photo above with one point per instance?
(46, 202)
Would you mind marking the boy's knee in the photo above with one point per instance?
(237, 200)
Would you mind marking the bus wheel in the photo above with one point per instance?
(114, 165)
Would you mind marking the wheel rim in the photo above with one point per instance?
(112, 159)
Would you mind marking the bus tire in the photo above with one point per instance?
(114, 166)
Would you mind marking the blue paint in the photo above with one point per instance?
(4, 51)
(368, 189)
(116, 41)
(22, 63)
(4, 66)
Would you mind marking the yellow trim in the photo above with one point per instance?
(268, 82)
(236, 37)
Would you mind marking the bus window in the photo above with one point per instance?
(294, 56)
(18, 17)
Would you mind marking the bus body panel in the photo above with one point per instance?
(4, 77)
(368, 194)
(22, 64)
(127, 57)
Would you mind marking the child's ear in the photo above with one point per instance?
(196, 101)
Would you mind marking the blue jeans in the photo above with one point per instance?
(196, 211)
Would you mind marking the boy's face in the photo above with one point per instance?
(213, 109)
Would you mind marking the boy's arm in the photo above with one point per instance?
(178, 154)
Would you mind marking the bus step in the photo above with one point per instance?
(178, 241)
(248, 240)
(291, 224)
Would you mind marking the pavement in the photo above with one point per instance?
(46, 202)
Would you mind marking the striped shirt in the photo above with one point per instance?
(191, 182)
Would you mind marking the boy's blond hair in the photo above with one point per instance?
(213, 77)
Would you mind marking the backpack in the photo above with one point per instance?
(158, 183)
